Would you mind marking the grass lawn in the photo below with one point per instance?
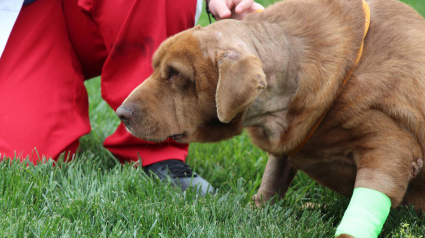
(94, 196)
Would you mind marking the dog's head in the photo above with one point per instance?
(195, 93)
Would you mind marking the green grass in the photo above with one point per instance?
(94, 196)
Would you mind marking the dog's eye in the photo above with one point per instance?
(172, 73)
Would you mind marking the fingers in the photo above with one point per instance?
(256, 6)
(243, 6)
(235, 9)
(219, 9)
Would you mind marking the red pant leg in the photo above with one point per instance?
(132, 31)
(43, 101)
(86, 38)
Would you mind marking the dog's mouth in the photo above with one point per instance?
(177, 137)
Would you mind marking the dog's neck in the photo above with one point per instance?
(281, 117)
(278, 52)
(305, 70)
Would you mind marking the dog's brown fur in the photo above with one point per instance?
(279, 71)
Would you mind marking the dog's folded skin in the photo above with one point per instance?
(279, 71)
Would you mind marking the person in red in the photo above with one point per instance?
(57, 44)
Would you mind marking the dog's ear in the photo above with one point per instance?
(241, 78)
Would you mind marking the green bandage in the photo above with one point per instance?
(366, 214)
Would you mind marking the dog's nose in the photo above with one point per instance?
(125, 114)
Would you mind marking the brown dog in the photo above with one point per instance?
(278, 72)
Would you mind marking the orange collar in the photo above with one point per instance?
(366, 10)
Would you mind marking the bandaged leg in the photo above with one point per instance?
(366, 214)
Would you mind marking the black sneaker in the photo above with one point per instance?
(181, 175)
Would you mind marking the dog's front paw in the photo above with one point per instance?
(256, 199)
(260, 198)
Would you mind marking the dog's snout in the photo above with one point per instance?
(125, 113)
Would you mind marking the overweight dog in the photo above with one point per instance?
(280, 74)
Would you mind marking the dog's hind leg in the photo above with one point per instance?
(415, 194)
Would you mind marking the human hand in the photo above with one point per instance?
(235, 9)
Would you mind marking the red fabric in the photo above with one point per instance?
(43, 100)
(56, 45)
